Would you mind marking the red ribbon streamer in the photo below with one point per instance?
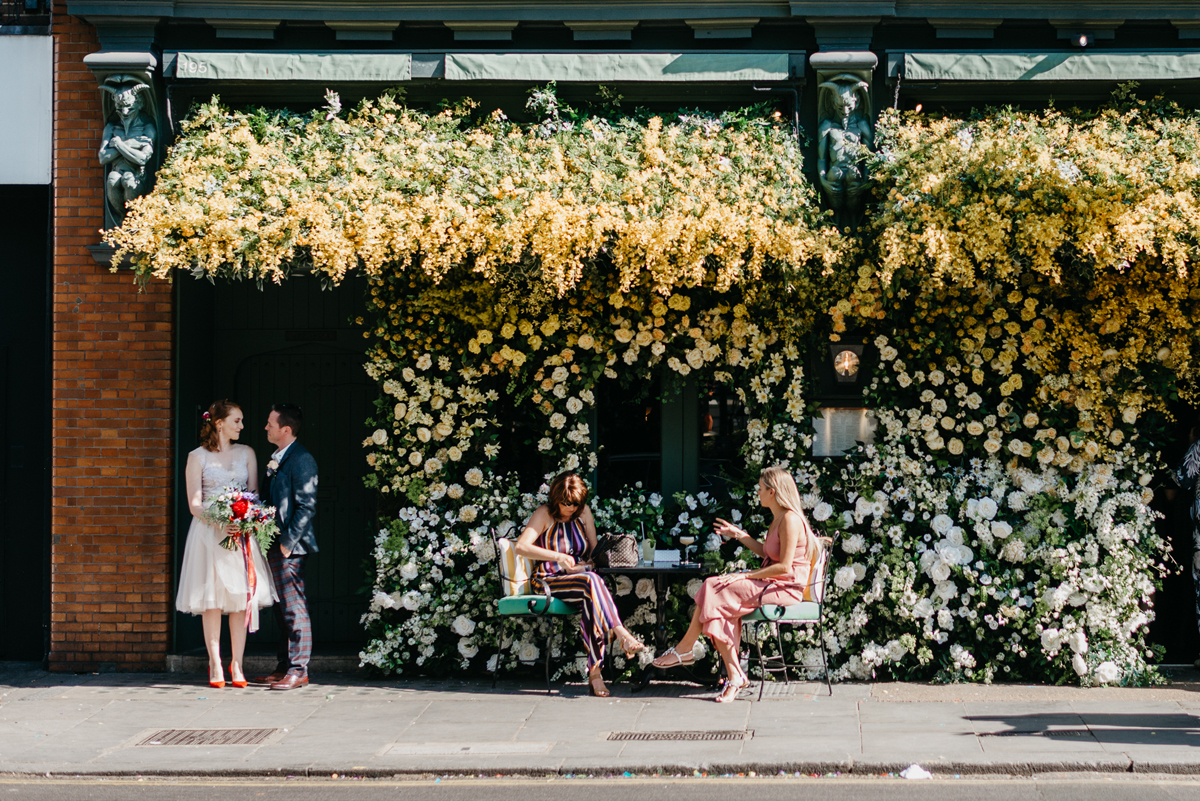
(251, 578)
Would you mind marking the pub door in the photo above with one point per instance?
(292, 343)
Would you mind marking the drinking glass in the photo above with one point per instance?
(687, 540)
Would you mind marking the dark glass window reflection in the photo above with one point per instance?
(629, 431)
(722, 418)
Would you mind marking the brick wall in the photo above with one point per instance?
(111, 396)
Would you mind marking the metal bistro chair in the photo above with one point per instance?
(810, 611)
(516, 573)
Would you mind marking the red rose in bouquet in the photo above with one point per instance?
(239, 508)
(249, 515)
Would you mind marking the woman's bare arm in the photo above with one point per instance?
(790, 531)
(727, 529)
(252, 465)
(195, 493)
(526, 547)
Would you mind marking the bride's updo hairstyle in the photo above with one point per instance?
(567, 488)
(208, 428)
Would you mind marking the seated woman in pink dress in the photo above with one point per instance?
(558, 536)
(787, 552)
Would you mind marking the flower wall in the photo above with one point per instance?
(1024, 278)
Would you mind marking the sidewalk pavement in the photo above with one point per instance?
(113, 724)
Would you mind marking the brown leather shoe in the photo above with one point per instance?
(290, 682)
(274, 678)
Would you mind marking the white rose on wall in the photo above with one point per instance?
(409, 571)
(474, 477)
(467, 648)
(624, 585)
(380, 437)
(1107, 673)
(528, 652)
(558, 420)
(462, 625)
(987, 508)
(843, 578)
(822, 512)
(574, 405)
(940, 571)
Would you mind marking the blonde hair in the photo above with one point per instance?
(780, 481)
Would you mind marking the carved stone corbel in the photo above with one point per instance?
(845, 129)
(130, 146)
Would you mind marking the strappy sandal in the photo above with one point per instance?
(632, 647)
(596, 684)
(671, 658)
(729, 692)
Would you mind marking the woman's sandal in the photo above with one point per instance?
(729, 692)
(632, 647)
(671, 658)
(596, 685)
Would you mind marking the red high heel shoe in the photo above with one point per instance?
(239, 683)
(216, 684)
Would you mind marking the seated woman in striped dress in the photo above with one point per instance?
(558, 536)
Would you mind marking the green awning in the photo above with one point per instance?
(341, 67)
(252, 66)
(593, 67)
(1076, 66)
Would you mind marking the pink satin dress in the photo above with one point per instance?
(721, 609)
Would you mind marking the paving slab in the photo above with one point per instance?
(86, 724)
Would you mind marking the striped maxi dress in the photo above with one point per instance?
(586, 589)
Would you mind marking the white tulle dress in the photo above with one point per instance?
(213, 577)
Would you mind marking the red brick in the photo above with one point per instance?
(111, 511)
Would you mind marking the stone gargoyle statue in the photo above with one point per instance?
(843, 138)
(127, 146)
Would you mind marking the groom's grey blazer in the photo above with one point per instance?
(294, 494)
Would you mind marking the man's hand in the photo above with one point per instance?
(285, 551)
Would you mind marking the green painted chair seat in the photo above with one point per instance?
(805, 610)
(519, 605)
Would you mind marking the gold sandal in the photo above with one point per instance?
(632, 647)
(596, 684)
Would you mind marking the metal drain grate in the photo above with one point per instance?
(208, 737)
(1054, 733)
(736, 734)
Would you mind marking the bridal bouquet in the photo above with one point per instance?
(247, 511)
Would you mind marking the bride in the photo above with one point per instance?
(213, 580)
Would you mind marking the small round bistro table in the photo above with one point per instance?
(664, 575)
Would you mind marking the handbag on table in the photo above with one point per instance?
(615, 550)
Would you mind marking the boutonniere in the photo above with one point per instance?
(272, 467)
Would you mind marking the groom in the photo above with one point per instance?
(292, 477)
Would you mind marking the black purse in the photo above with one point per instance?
(615, 550)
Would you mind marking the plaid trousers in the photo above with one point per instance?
(291, 613)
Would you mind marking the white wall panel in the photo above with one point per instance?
(27, 64)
